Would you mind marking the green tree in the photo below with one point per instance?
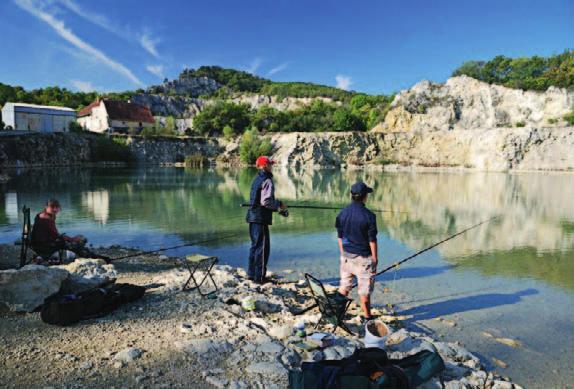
(345, 120)
(267, 118)
(529, 73)
(252, 146)
(213, 118)
(75, 127)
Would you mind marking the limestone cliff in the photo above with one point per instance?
(463, 103)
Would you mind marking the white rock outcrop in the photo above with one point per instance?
(463, 103)
(25, 289)
(86, 274)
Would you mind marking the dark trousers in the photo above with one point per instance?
(49, 249)
(259, 252)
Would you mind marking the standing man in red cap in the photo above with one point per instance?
(260, 216)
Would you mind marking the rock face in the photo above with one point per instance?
(463, 103)
(166, 150)
(281, 104)
(86, 274)
(489, 149)
(37, 149)
(187, 86)
(165, 105)
(482, 149)
(25, 289)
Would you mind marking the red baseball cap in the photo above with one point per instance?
(262, 161)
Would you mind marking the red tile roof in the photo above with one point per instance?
(121, 110)
(88, 110)
(129, 112)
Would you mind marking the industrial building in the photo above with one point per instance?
(40, 118)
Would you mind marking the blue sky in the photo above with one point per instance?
(368, 46)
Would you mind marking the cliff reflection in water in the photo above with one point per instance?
(533, 237)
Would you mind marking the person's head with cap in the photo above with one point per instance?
(264, 163)
(359, 191)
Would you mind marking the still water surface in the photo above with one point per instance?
(512, 278)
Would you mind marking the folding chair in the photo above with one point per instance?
(26, 243)
(198, 262)
(333, 306)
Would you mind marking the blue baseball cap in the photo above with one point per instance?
(361, 188)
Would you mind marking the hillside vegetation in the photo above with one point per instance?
(240, 81)
(54, 95)
(528, 73)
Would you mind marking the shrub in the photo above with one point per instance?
(228, 132)
(111, 149)
(194, 160)
(149, 131)
(1, 125)
(552, 121)
(519, 124)
(570, 117)
(75, 127)
(252, 146)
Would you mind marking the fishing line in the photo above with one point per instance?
(178, 246)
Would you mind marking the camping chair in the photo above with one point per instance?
(333, 306)
(26, 243)
(198, 262)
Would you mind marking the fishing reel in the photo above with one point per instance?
(284, 212)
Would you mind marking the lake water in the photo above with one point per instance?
(512, 278)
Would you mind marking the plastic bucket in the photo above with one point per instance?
(376, 333)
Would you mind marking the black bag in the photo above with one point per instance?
(68, 309)
(368, 368)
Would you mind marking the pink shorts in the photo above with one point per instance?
(359, 267)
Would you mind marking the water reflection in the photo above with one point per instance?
(534, 236)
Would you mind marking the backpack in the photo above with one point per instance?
(69, 309)
(368, 368)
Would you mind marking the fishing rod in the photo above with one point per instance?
(396, 264)
(176, 247)
(324, 207)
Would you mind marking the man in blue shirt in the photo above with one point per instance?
(357, 236)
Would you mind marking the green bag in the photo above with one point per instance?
(356, 371)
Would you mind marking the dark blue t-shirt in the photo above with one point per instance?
(357, 226)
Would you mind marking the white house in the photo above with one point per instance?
(117, 116)
(42, 118)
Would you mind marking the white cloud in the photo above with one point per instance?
(95, 18)
(278, 69)
(37, 10)
(145, 39)
(158, 70)
(149, 44)
(83, 86)
(343, 82)
(254, 65)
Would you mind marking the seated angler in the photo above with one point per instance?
(47, 241)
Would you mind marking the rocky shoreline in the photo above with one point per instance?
(500, 149)
(171, 338)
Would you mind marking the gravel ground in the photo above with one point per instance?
(171, 338)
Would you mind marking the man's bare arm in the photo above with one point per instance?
(374, 253)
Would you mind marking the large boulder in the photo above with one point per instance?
(25, 289)
(86, 274)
